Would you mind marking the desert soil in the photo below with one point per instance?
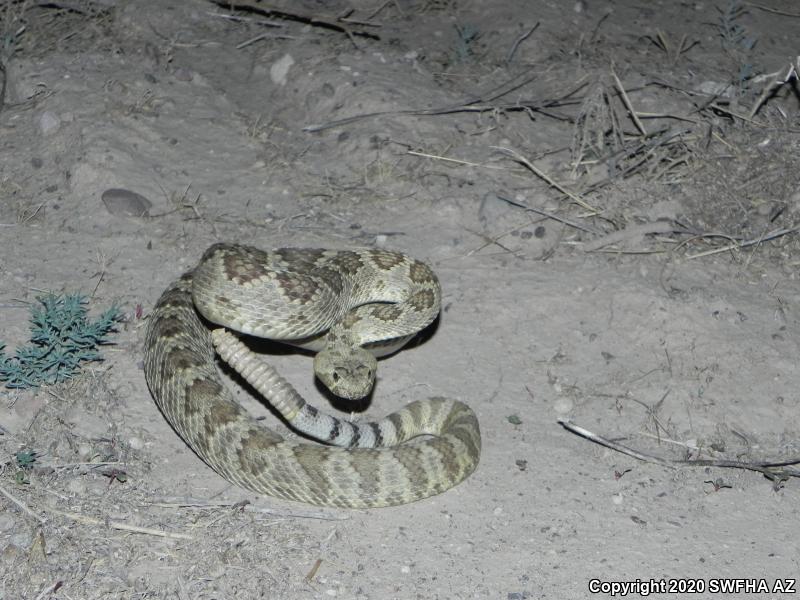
(608, 191)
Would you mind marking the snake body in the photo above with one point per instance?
(332, 302)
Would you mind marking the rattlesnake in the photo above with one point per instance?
(327, 301)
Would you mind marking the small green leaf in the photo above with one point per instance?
(25, 458)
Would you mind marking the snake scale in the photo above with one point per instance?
(348, 306)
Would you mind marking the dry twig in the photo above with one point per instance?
(628, 104)
(325, 22)
(120, 525)
(633, 231)
(773, 10)
(545, 177)
(773, 469)
(518, 41)
(479, 103)
(21, 505)
(778, 80)
(202, 504)
(739, 245)
(544, 213)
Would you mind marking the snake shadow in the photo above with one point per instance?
(267, 348)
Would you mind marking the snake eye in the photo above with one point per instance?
(335, 376)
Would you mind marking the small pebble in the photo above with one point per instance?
(563, 405)
(49, 122)
(7, 522)
(85, 452)
(98, 488)
(279, 70)
(10, 554)
(135, 443)
(23, 538)
(617, 499)
(76, 487)
(125, 203)
(183, 74)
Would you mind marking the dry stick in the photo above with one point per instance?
(345, 18)
(489, 241)
(762, 467)
(736, 115)
(738, 245)
(53, 587)
(518, 41)
(120, 525)
(773, 10)
(630, 232)
(475, 104)
(649, 115)
(313, 572)
(544, 176)
(262, 36)
(178, 502)
(663, 41)
(777, 81)
(538, 211)
(22, 506)
(458, 161)
(650, 143)
(246, 19)
(374, 13)
(295, 16)
(628, 104)
(684, 47)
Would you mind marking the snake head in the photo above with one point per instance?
(348, 372)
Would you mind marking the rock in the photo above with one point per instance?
(563, 405)
(279, 70)
(125, 203)
(49, 122)
(7, 522)
(76, 487)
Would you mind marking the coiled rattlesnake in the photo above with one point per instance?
(339, 303)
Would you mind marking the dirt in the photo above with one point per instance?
(637, 279)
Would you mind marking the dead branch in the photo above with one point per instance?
(331, 23)
(773, 469)
(479, 103)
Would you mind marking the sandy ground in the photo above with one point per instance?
(656, 306)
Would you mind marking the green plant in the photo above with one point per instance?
(465, 42)
(25, 460)
(734, 34)
(737, 42)
(61, 339)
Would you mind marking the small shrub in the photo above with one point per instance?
(61, 339)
